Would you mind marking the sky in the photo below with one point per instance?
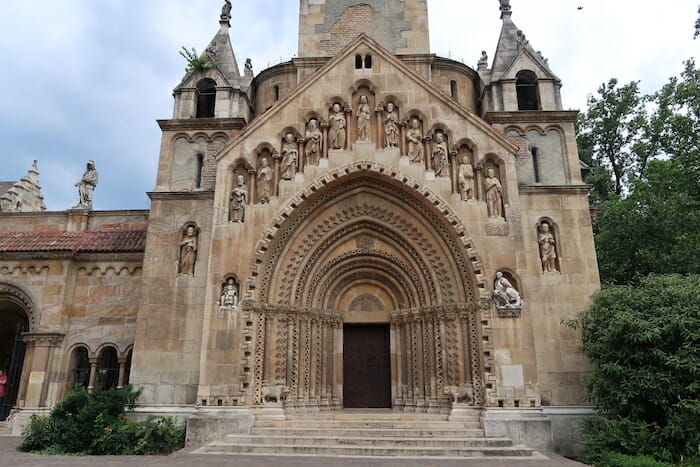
(87, 79)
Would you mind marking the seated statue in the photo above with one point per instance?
(505, 294)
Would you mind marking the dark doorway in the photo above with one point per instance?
(366, 366)
(13, 322)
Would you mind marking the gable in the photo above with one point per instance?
(526, 60)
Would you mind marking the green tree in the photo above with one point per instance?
(196, 62)
(643, 341)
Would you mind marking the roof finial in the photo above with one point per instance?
(505, 8)
(226, 11)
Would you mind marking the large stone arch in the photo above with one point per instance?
(18, 295)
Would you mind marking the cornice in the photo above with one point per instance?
(180, 195)
(194, 124)
(536, 116)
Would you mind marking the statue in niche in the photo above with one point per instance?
(226, 11)
(248, 71)
(548, 248)
(86, 185)
(290, 154)
(483, 63)
(239, 199)
(229, 295)
(505, 295)
(313, 143)
(337, 132)
(363, 115)
(440, 160)
(264, 181)
(465, 179)
(494, 194)
(391, 126)
(188, 252)
(414, 138)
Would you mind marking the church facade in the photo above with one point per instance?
(366, 225)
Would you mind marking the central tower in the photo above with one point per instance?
(326, 26)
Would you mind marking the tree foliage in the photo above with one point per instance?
(643, 341)
(196, 62)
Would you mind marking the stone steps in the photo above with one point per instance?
(5, 429)
(370, 434)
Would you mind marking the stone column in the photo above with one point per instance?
(122, 372)
(379, 111)
(93, 373)
(402, 138)
(276, 173)
(351, 127)
(324, 144)
(40, 348)
(301, 160)
(428, 141)
(454, 167)
(479, 182)
(252, 192)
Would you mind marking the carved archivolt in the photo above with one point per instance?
(16, 294)
(406, 190)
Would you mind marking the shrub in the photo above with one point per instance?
(96, 424)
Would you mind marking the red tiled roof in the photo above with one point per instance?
(94, 241)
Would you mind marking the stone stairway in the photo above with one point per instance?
(5, 429)
(368, 434)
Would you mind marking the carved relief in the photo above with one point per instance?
(274, 394)
(239, 200)
(290, 156)
(337, 133)
(366, 302)
(264, 181)
(548, 248)
(459, 394)
(505, 294)
(313, 140)
(188, 251)
(363, 114)
(440, 157)
(391, 126)
(414, 138)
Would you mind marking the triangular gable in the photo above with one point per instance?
(527, 59)
(379, 51)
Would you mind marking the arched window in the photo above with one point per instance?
(536, 163)
(80, 367)
(527, 90)
(206, 98)
(453, 89)
(276, 90)
(107, 369)
(198, 173)
(358, 62)
(127, 367)
(368, 61)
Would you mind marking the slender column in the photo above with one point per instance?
(252, 192)
(324, 148)
(454, 167)
(379, 111)
(479, 182)
(402, 138)
(122, 372)
(351, 123)
(428, 140)
(276, 173)
(93, 373)
(301, 159)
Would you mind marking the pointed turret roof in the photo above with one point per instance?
(512, 43)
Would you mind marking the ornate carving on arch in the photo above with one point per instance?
(366, 302)
(432, 208)
(21, 270)
(18, 295)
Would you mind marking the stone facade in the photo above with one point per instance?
(403, 228)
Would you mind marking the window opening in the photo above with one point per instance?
(358, 62)
(206, 98)
(368, 61)
(527, 91)
(453, 89)
(200, 167)
(536, 163)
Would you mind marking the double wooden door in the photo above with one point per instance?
(366, 366)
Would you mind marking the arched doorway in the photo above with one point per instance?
(369, 260)
(13, 322)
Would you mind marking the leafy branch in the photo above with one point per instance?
(196, 62)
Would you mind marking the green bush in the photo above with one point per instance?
(622, 460)
(96, 424)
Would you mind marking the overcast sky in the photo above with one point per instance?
(86, 79)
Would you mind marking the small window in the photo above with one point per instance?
(358, 62)
(276, 90)
(80, 367)
(198, 173)
(206, 98)
(368, 61)
(453, 89)
(527, 91)
(536, 163)
(107, 369)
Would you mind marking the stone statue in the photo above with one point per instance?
(264, 181)
(505, 294)
(548, 249)
(229, 295)
(337, 133)
(239, 200)
(277, 393)
(483, 61)
(459, 394)
(391, 126)
(248, 67)
(212, 50)
(313, 143)
(465, 178)
(414, 137)
(86, 186)
(363, 115)
(188, 252)
(290, 154)
(440, 160)
(494, 194)
(505, 5)
(226, 11)
(521, 39)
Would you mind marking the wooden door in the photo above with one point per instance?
(366, 366)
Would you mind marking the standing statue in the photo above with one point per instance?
(505, 295)
(465, 179)
(391, 126)
(548, 249)
(226, 11)
(264, 182)
(239, 200)
(440, 160)
(337, 132)
(416, 150)
(313, 143)
(248, 67)
(229, 295)
(188, 252)
(86, 186)
(290, 154)
(483, 63)
(494, 194)
(363, 115)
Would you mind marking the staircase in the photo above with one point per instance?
(368, 434)
(5, 429)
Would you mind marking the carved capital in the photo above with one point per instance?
(42, 339)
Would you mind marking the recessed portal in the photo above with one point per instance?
(13, 322)
(366, 366)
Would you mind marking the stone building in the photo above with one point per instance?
(362, 226)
